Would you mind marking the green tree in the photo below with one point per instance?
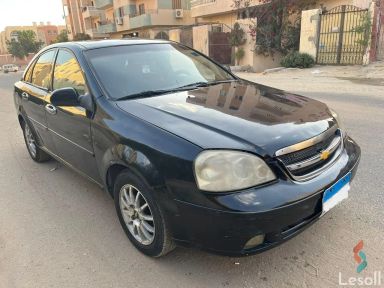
(62, 37)
(81, 37)
(26, 43)
(15, 49)
(276, 24)
(237, 36)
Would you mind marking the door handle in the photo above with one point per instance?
(51, 109)
(25, 96)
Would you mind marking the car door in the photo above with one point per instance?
(70, 127)
(34, 92)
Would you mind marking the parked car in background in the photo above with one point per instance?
(10, 68)
(191, 154)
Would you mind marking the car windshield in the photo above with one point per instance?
(131, 70)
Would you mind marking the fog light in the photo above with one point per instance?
(255, 241)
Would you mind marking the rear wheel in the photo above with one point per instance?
(34, 150)
(140, 216)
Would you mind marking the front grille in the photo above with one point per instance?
(306, 153)
(308, 163)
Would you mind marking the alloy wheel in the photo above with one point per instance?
(31, 143)
(137, 214)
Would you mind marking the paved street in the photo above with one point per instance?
(59, 230)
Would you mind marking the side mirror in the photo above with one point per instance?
(65, 97)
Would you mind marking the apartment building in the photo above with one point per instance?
(73, 17)
(126, 18)
(45, 32)
(150, 18)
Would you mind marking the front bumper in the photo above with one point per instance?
(279, 211)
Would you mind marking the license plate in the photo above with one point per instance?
(337, 193)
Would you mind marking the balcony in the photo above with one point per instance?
(103, 4)
(143, 20)
(91, 12)
(202, 8)
(96, 34)
(107, 28)
(157, 17)
(195, 3)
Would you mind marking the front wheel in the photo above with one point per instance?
(140, 216)
(34, 150)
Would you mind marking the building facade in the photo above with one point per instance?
(126, 18)
(210, 13)
(202, 24)
(45, 33)
(73, 17)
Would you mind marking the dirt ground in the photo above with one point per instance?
(59, 230)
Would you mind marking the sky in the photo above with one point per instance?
(24, 12)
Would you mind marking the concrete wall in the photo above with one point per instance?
(174, 35)
(249, 45)
(261, 62)
(200, 38)
(9, 59)
(309, 28)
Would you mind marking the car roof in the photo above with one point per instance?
(94, 44)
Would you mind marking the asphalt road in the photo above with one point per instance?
(59, 230)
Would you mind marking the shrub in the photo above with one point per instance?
(240, 53)
(298, 60)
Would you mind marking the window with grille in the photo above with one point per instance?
(120, 12)
(141, 9)
(176, 4)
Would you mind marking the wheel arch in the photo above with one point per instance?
(21, 120)
(124, 158)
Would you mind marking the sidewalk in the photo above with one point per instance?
(327, 79)
(371, 71)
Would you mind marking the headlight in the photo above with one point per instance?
(222, 170)
(338, 120)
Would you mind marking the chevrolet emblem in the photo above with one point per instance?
(324, 155)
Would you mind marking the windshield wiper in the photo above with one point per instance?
(206, 84)
(150, 93)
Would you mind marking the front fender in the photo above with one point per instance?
(122, 140)
(124, 156)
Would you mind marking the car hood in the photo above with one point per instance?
(237, 115)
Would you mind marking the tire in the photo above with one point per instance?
(34, 150)
(135, 222)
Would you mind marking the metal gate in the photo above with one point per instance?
(380, 36)
(220, 48)
(186, 36)
(380, 48)
(342, 35)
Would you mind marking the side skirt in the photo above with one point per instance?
(61, 160)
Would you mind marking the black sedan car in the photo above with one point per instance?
(190, 153)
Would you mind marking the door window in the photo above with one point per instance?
(41, 75)
(68, 73)
(28, 74)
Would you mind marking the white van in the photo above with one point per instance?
(10, 68)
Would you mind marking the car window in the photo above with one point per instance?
(28, 74)
(41, 75)
(68, 73)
